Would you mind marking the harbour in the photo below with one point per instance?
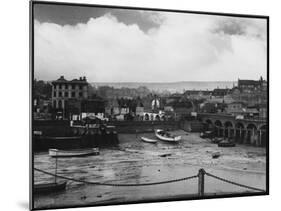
(134, 161)
(174, 106)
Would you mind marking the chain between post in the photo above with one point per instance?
(116, 184)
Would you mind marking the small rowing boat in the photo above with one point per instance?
(207, 134)
(165, 136)
(148, 140)
(216, 155)
(217, 140)
(52, 187)
(226, 143)
(73, 153)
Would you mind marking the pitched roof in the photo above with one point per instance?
(221, 90)
(62, 80)
(248, 82)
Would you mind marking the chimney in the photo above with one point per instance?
(80, 78)
(84, 78)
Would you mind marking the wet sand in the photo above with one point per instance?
(135, 161)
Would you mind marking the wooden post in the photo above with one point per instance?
(56, 168)
(253, 137)
(260, 136)
(201, 182)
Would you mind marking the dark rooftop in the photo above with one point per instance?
(248, 82)
(62, 80)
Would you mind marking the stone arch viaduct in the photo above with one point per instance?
(246, 131)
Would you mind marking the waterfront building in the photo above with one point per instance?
(146, 101)
(235, 108)
(220, 92)
(181, 107)
(139, 109)
(251, 112)
(250, 86)
(168, 108)
(112, 107)
(208, 107)
(197, 94)
(262, 108)
(124, 110)
(42, 108)
(63, 90)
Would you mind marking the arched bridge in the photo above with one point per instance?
(248, 131)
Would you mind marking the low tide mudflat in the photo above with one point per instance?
(134, 161)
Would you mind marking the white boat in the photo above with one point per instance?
(73, 153)
(164, 136)
(148, 140)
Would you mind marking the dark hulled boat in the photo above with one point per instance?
(52, 187)
(226, 143)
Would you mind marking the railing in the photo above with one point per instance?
(201, 181)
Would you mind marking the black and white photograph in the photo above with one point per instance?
(136, 105)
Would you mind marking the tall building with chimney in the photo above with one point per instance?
(250, 86)
(64, 90)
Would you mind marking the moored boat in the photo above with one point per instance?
(207, 134)
(216, 154)
(52, 187)
(148, 140)
(217, 140)
(165, 136)
(226, 143)
(73, 153)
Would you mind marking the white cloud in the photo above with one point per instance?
(183, 48)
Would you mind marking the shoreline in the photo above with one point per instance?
(134, 161)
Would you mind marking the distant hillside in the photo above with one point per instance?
(173, 86)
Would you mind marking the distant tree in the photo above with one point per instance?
(102, 91)
(92, 92)
(42, 89)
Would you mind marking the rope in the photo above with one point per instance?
(234, 183)
(151, 183)
(116, 184)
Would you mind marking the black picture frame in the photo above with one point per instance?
(31, 166)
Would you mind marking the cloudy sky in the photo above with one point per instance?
(117, 45)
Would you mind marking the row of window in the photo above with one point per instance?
(66, 86)
(59, 104)
(66, 94)
(250, 86)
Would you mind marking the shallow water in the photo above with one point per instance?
(137, 162)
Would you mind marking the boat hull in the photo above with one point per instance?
(46, 188)
(216, 155)
(226, 144)
(148, 140)
(73, 153)
(175, 139)
(207, 134)
(217, 140)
